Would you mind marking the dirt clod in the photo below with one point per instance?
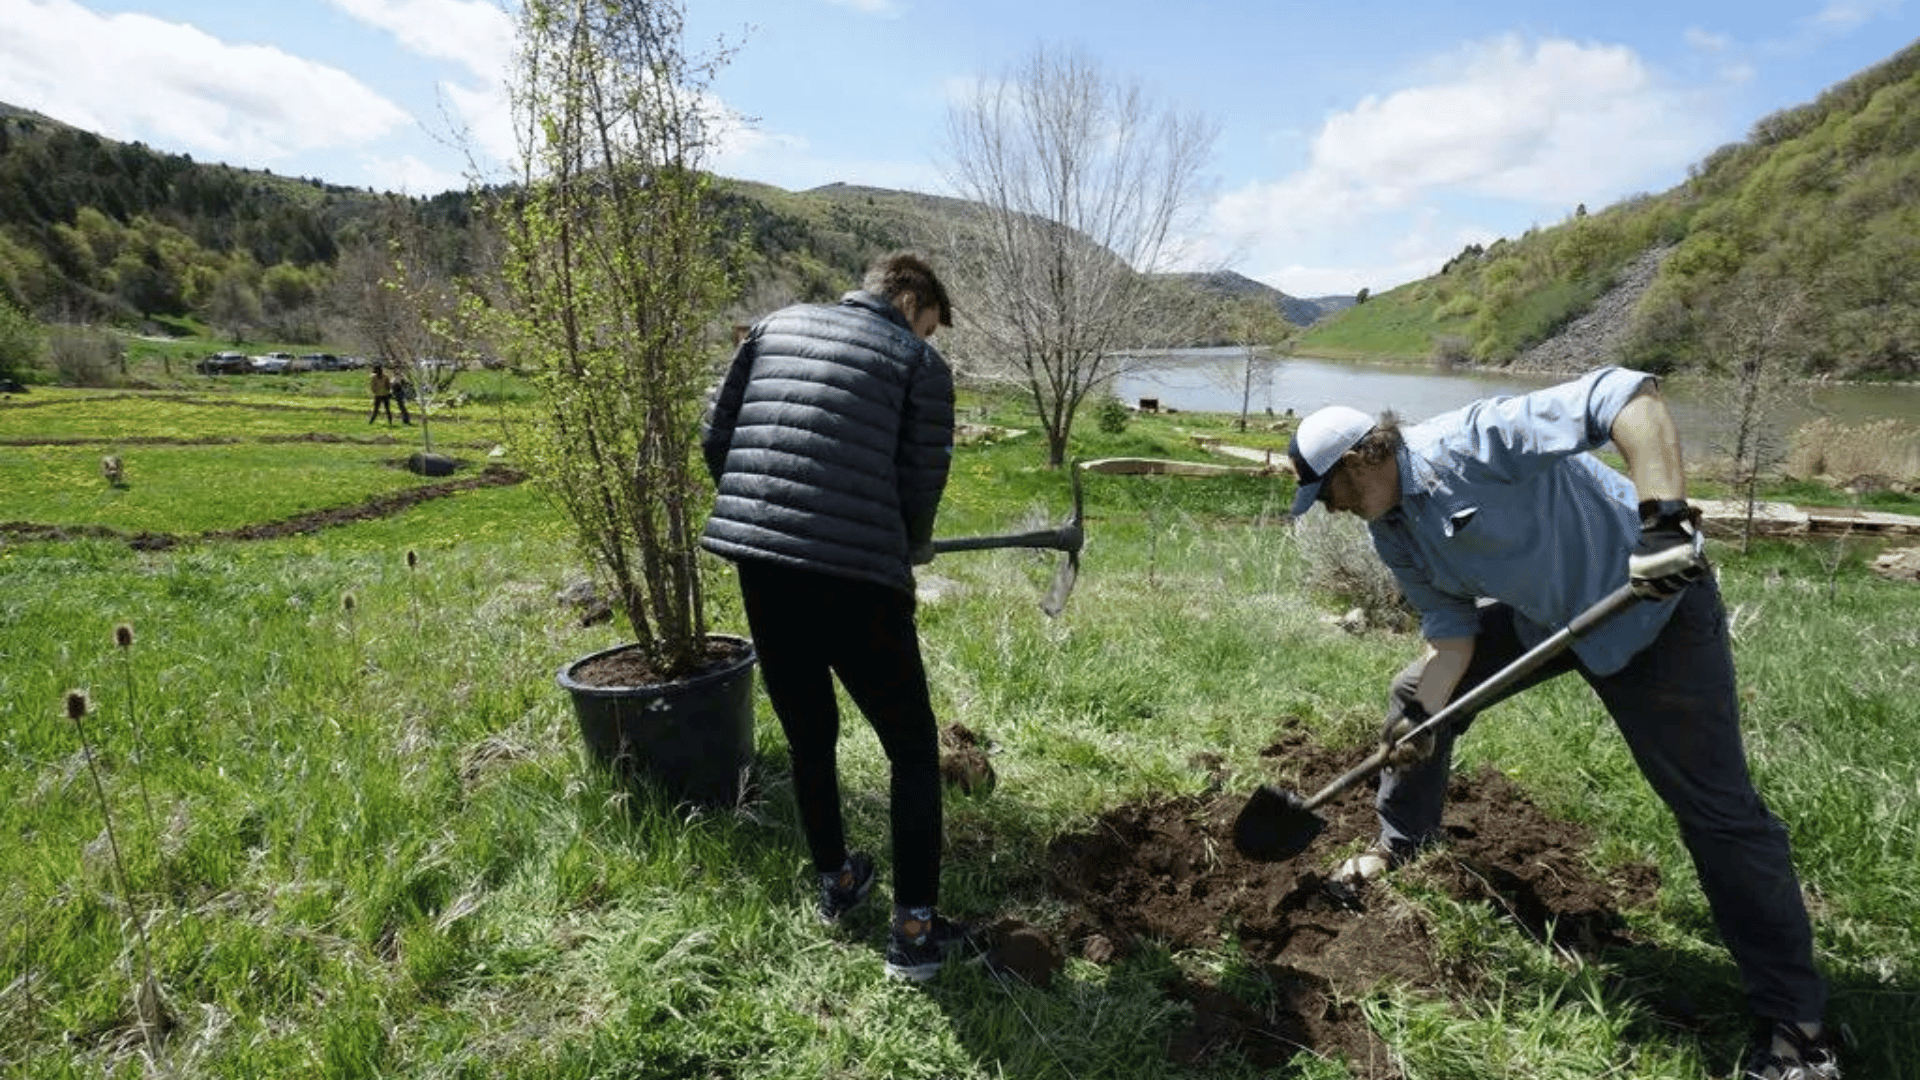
(963, 761)
(1026, 952)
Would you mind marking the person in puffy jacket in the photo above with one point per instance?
(829, 441)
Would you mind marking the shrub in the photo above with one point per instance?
(1823, 447)
(1113, 416)
(1450, 351)
(20, 342)
(1342, 564)
(84, 356)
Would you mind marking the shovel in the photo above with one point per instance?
(1068, 538)
(1276, 825)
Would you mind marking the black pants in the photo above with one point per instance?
(1677, 705)
(809, 627)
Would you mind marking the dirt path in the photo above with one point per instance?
(312, 521)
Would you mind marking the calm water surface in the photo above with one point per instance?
(1211, 380)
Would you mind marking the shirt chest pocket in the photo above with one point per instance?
(1489, 542)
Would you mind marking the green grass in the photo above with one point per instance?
(1399, 325)
(377, 851)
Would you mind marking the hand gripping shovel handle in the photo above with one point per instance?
(1278, 824)
(1477, 698)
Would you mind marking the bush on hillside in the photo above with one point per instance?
(21, 342)
(85, 356)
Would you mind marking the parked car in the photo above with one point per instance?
(226, 363)
(318, 361)
(273, 363)
(353, 363)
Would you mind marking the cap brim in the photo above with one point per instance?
(1309, 493)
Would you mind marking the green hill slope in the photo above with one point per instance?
(1813, 216)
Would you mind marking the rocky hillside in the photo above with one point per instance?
(1799, 240)
(1600, 336)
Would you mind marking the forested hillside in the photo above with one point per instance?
(102, 232)
(92, 230)
(1801, 241)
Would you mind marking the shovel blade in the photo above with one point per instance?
(1275, 825)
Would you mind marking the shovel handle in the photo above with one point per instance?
(1366, 768)
(1606, 608)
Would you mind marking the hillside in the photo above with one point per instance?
(1801, 242)
(1234, 286)
(94, 230)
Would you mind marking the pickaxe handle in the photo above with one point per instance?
(1066, 538)
(1069, 537)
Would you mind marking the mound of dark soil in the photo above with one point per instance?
(1167, 873)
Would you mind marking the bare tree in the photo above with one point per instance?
(1265, 336)
(1080, 184)
(1758, 335)
(408, 314)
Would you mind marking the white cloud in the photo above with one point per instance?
(410, 175)
(476, 35)
(1842, 16)
(1706, 40)
(1536, 127)
(178, 87)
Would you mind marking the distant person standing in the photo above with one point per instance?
(402, 390)
(382, 389)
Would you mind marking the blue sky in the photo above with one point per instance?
(1359, 145)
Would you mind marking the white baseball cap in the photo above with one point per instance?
(1317, 445)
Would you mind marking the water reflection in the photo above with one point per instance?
(1212, 380)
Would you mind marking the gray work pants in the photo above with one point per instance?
(1675, 703)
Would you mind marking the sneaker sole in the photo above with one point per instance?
(914, 972)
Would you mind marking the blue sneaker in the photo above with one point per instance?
(842, 890)
(924, 941)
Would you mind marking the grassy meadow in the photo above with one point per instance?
(349, 831)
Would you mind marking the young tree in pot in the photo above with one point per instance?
(614, 272)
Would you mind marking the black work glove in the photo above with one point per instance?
(1669, 553)
(920, 554)
(1413, 751)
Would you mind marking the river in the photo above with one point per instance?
(1210, 380)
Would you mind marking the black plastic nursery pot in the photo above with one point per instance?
(692, 740)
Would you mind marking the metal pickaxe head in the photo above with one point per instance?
(1069, 538)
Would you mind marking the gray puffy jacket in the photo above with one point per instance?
(830, 439)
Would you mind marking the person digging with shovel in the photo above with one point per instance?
(1499, 526)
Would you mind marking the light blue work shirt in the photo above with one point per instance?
(1502, 499)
